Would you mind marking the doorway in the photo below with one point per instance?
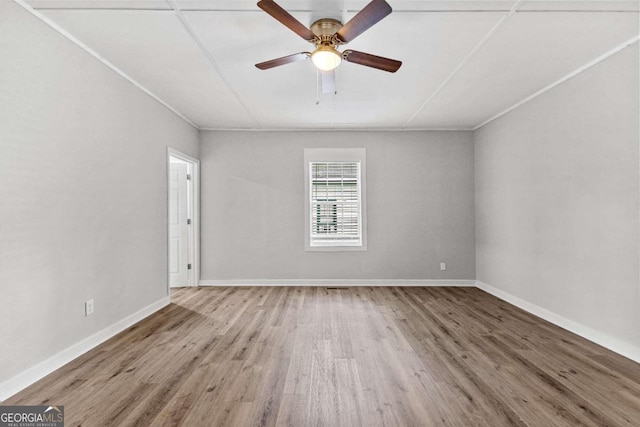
(183, 219)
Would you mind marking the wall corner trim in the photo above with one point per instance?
(25, 378)
(616, 345)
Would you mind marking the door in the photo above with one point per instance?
(178, 225)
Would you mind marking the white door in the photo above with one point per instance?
(178, 225)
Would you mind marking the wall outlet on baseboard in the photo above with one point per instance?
(443, 266)
(88, 307)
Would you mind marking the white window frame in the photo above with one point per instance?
(313, 155)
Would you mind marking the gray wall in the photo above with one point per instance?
(419, 213)
(557, 200)
(83, 191)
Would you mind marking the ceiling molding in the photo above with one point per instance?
(344, 12)
(571, 75)
(62, 31)
(210, 58)
(337, 130)
(464, 62)
(493, 30)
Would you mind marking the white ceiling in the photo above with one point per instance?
(463, 61)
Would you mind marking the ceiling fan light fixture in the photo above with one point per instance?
(326, 58)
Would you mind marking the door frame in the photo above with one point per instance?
(194, 235)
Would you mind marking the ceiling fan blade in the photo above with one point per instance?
(365, 19)
(284, 60)
(368, 60)
(273, 9)
(328, 81)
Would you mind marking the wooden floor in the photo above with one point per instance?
(347, 357)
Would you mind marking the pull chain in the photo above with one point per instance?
(317, 87)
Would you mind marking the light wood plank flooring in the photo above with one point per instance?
(362, 356)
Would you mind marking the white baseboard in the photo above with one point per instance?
(616, 345)
(25, 378)
(337, 282)
(19, 382)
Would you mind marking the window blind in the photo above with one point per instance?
(335, 203)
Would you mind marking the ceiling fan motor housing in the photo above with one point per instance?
(325, 29)
(326, 26)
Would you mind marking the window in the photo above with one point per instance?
(335, 199)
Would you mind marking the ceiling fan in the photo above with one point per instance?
(327, 34)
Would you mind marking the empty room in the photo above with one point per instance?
(319, 213)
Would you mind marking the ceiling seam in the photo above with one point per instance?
(345, 11)
(569, 76)
(103, 60)
(210, 58)
(464, 62)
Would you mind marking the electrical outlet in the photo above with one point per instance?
(443, 266)
(88, 307)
